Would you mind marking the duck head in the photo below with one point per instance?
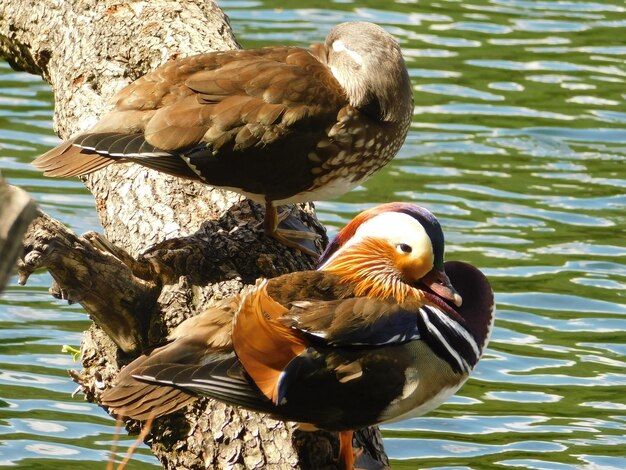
(391, 249)
(368, 64)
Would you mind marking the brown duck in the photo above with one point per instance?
(279, 125)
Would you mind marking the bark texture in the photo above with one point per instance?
(170, 247)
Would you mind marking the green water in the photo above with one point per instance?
(518, 145)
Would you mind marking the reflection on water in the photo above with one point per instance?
(518, 145)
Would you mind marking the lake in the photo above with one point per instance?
(518, 145)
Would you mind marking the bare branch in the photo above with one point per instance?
(17, 209)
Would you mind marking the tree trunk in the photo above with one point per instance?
(170, 246)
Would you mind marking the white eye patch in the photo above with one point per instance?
(339, 46)
(400, 230)
(396, 227)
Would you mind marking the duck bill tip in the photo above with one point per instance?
(439, 283)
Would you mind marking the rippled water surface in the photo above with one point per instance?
(518, 144)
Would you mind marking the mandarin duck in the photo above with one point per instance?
(279, 125)
(383, 330)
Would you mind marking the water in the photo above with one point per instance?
(518, 145)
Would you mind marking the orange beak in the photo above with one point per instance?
(438, 282)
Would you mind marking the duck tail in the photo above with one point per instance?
(70, 160)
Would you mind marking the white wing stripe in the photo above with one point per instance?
(463, 365)
(457, 328)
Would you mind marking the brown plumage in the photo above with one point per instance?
(278, 124)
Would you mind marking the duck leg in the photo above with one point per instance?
(346, 452)
(299, 238)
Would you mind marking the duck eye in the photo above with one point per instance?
(404, 248)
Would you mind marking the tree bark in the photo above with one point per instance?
(170, 247)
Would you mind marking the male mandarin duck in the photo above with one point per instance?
(279, 125)
(382, 331)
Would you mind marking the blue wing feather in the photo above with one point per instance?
(355, 322)
(397, 328)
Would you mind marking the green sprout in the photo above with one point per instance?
(72, 350)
